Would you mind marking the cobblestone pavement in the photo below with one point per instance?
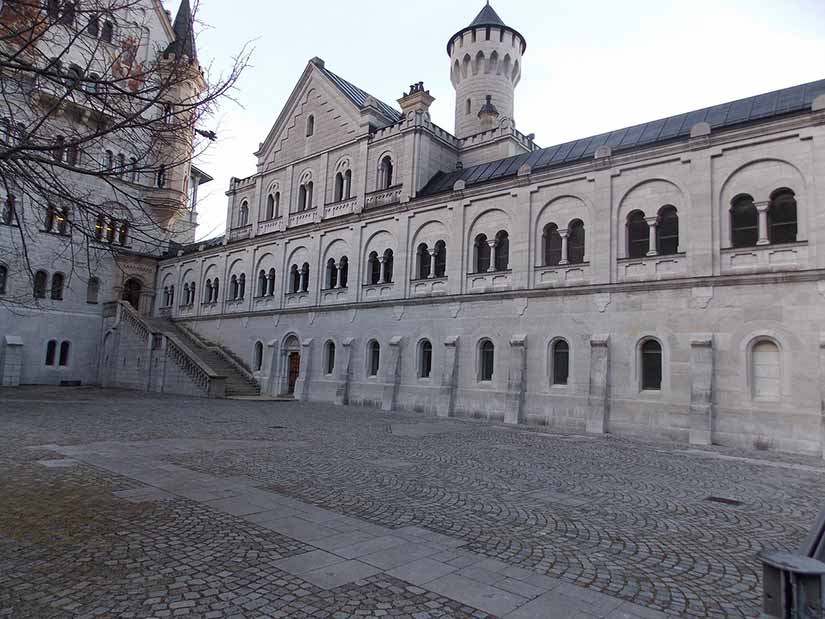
(141, 506)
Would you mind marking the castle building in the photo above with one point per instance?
(662, 280)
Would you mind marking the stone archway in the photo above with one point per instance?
(290, 364)
(132, 290)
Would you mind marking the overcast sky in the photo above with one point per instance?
(590, 66)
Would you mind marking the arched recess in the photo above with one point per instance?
(428, 233)
(789, 347)
(379, 242)
(760, 179)
(648, 197)
(489, 223)
(289, 364)
(336, 249)
(561, 211)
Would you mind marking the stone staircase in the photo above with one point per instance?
(239, 380)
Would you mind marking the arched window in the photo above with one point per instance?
(502, 251)
(243, 214)
(347, 184)
(4, 277)
(651, 352)
(425, 359)
(40, 282)
(560, 362)
(48, 223)
(270, 208)
(109, 160)
(310, 125)
(667, 232)
(271, 282)
(69, 13)
(343, 276)
(440, 259)
(552, 245)
(486, 360)
(575, 242)
(92, 290)
(121, 164)
(242, 285)
(423, 260)
(73, 155)
(638, 235)
(329, 357)
(215, 290)
(93, 27)
(388, 265)
(766, 370)
(7, 211)
(305, 277)
(59, 148)
(782, 222)
(123, 233)
(276, 211)
(207, 291)
(468, 107)
(62, 219)
(309, 203)
(185, 300)
(51, 352)
(331, 274)
(302, 198)
(258, 360)
(57, 286)
(385, 175)
(107, 33)
(373, 358)
(262, 283)
(191, 300)
(482, 254)
(63, 360)
(339, 187)
(92, 81)
(133, 170)
(744, 222)
(233, 288)
(295, 279)
(161, 179)
(171, 295)
(374, 267)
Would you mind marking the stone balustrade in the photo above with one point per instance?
(562, 275)
(385, 197)
(337, 209)
(490, 281)
(239, 234)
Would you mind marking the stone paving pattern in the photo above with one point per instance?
(172, 506)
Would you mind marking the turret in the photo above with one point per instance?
(486, 59)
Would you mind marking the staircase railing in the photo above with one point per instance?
(227, 356)
(212, 383)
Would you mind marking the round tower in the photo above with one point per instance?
(485, 59)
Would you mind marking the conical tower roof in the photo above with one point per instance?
(486, 18)
(184, 28)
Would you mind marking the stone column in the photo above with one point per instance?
(701, 389)
(392, 378)
(304, 378)
(339, 270)
(652, 224)
(303, 280)
(599, 399)
(762, 208)
(516, 380)
(345, 373)
(432, 252)
(492, 244)
(563, 234)
(449, 378)
(381, 277)
(11, 361)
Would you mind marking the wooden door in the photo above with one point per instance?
(294, 371)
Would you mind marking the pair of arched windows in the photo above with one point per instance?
(299, 278)
(266, 283)
(237, 287)
(431, 262)
(41, 282)
(379, 268)
(564, 246)
(305, 196)
(188, 295)
(492, 255)
(273, 206)
(56, 220)
(105, 32)
(386, 171)
(210, 291)
(779, 225)
(111, 230)
(55, 358)
(652, 237)
(337, 274)
(243, 214)
(168, 296)
(343, 186)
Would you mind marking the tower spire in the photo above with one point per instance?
(184, 29)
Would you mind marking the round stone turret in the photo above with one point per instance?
(485, 59)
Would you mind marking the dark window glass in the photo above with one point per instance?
(388, 266)
(440, 259)
(561, 362)
(344, 271)
(482, 254)
(552, 245)
(51, 351)
(332, 273)
(375, 358)
(651, 366)
(575, 242)
(487, 361)
(423, 261)
(502, 251)
(57, 287)
(667, 232)
(330, 357)
(305, 273)
(259, 356)
(744, 222)
(296, 278)
(4, 274)
(64, 354)
(426, 361)
(375, 268)
(40, 279)
(638, 235)
(782, 224)
(107, 33)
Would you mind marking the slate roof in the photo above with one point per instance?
(487, 17)
(184, 43)
(193, 248)
(783, 102)
(358, 96)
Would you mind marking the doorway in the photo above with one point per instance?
(131, 293)
(294, 365)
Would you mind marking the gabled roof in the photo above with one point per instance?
(487, 17)
(359, 97)
(787, 101)
(184, 27)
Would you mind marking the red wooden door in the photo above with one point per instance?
(294, 371)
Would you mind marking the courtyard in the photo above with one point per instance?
(120, 504)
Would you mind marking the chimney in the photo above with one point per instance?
(417, 100)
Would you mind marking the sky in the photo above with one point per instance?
(590, 66)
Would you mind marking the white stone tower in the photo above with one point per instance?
(485, 59)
